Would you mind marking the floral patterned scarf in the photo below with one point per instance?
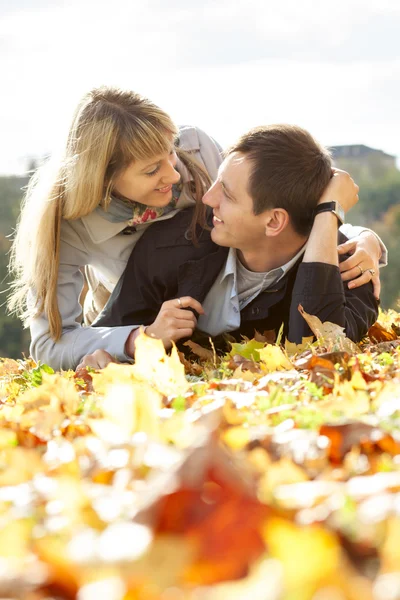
(135, 213)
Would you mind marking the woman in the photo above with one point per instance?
(123, 168)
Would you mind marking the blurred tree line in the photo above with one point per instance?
(14, 340)
(379, 208)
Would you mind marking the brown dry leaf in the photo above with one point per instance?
(343, 436)
(191, 368)
(240, 363)
(378, 333)
(204, 354)
(322, 373)
(8, 366)
(328, 333)
(266, 337)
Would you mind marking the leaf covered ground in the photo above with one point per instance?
(271, 473)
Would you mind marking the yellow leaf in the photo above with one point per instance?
(152, 364)
(309, 555)
(281, 472)
(291, 348)
(133, 407)
(19, 465)
(274, 359)
(15, 538)
(56, 390)
(236, 438)
(357, 381)
(112, 374)
(118, 406)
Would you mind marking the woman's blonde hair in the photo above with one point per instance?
(110, 129)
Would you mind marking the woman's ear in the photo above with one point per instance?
(277, 219)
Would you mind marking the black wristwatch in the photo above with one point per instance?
(334, 207)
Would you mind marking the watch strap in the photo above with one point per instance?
(328, 207)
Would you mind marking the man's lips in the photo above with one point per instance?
(216, 221)
(165, 189)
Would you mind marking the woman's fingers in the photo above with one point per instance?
(360, 258)
(354, 273)
(98, 360)
(346, 248)
(360, 280)
(366, 278)
(376, 282)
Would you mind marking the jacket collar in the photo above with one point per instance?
(100, 230)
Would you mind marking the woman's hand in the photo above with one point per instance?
(174, 321)
(98, 360)
(363, 264)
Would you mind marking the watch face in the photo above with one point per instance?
(340, 212)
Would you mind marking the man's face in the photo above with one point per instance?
(234, 223)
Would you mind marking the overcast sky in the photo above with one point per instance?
(225, 65)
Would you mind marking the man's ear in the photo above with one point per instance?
(276, 220)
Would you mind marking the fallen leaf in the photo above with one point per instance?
(377, 333)
(328, 333)
(273, 359)
(205, 354)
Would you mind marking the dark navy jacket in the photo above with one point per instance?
(165, 264)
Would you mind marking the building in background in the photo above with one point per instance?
(363, 162)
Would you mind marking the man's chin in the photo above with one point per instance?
(218, 238)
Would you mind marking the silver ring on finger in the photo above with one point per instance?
(361, 269)
(372, 271)
(180, 303)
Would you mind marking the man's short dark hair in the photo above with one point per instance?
(290, 170)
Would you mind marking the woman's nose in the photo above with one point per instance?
(170, 174)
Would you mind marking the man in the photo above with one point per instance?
(273, 245)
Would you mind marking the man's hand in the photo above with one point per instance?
(363, 264)
(98, 360)
(173, 322)
(341, 188)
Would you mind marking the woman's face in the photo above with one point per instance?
(149, 181)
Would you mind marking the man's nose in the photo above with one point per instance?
(210, 196)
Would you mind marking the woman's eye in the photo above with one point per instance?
(154, 172)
